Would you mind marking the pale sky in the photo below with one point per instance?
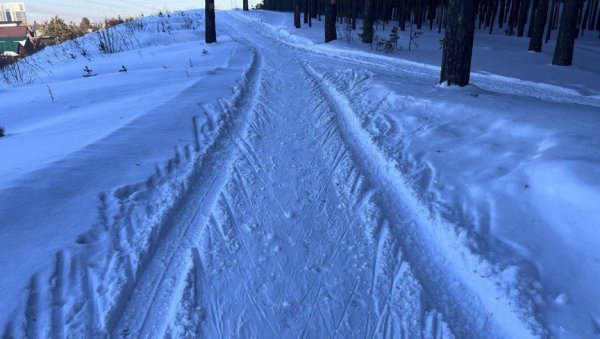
(95, 10)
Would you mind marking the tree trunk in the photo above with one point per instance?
(551, 19)
(523, 11)
(592, 25)
(534, 7)
(502, 10)
(514, 16)
(403, 14)
(246, 8)
(297, 13)
(330, 21)
(458, 42)
(565, 43)
(367, 33)
(493, 15)
(306, 14)
(586, 16)
(210, 34)
(313, 8)
(539, 22)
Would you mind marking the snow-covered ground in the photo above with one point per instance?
(277, 186)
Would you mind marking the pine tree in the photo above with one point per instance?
(297, 13)
(85, 25)
(539, 22)
(367, 33)
(565, 43)
(330, 21)
(245, 5)
(209, 14)
(458, 42)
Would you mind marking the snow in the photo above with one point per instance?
(279, 186)
(99, 134)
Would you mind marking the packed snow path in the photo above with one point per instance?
(291, 230)
(293, 224)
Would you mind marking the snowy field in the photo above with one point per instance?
(270, 185)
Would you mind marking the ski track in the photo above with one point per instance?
(285, 220)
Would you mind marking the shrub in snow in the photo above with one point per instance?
(2, 131)
(87, 72)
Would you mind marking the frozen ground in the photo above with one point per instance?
(316, 190)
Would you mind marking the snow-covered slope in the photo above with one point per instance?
(315, 190)
(99, 133)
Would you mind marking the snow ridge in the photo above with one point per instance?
(439, 249)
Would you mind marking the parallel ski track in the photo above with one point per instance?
(151, 303)
(429, 242)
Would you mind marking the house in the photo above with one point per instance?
(15, 39)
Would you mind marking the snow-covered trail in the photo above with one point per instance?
(280, 237)
(297, 226)
(290, 223)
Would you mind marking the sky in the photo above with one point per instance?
(96, 10)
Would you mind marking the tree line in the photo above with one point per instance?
(536, 19)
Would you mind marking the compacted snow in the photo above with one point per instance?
(312, 190)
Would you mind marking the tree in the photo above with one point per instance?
(565, 43)
(85, 25)
(209, 14)
(367, 33)
(297, 13)
(330, 21)
(539, 23)
(245, 5)
(458, 42)
(59, 29)
(523, 11)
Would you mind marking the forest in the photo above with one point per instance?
(539, 20)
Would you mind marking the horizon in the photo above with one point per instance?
(74, 10)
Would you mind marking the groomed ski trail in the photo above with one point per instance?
(290, 223)
(300, 228)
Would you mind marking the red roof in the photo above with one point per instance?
(14, 32)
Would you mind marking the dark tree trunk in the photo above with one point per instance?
(502, 10)
(306, 14)
(493, 15)
(565, 43)
(210, 34)
(586, 16)
(592, 25)
(367, 33)
(523, 11)
(297, 13)
(245, 5)
(534, 7)
(313, 8)
(514, 16)
(403, 13)
(330, 20)
(539, 22)
(458, 42)
(354, 14)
